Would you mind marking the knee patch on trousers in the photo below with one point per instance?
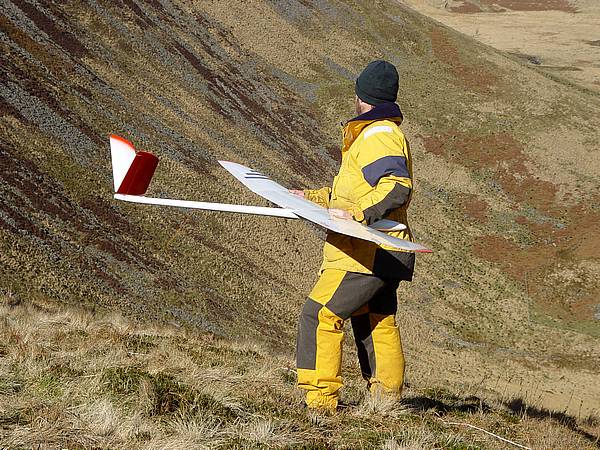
(313, 315)
(306, 350)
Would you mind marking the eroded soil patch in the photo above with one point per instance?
(473, 76)
(562, 237)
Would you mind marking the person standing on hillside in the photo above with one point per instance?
(358, 279)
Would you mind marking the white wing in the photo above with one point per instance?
(265, 187)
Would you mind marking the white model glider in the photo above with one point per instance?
(132, 172)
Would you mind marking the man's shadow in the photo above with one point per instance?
(443, 403)
(520, 407)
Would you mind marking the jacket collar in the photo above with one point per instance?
(382, 111)
(354, 127)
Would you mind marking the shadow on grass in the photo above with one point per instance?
(519, 407)
(444, 402)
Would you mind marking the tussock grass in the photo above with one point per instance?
(70, 378)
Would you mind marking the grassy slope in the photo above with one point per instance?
(70, 378)
(504, 160)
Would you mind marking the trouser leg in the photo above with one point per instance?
(361, 327)
(336, 295)
(378, 342)
(319, 344)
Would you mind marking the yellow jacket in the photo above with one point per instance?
(374, 181)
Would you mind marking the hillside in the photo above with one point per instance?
(506, 166)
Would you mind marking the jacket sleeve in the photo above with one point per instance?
(384, 160)
(318, 196)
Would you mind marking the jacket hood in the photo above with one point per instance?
(388, 110)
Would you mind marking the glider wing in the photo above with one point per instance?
(265, 187)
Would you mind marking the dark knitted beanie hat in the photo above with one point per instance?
(378, 83)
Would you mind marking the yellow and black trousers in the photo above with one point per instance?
(370, 303)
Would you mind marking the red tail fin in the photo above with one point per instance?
(132, 171)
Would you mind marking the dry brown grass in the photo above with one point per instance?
(71, 378)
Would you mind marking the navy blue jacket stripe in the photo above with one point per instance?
(388, 165)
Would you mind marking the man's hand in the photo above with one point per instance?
(340, 214)
(297, 192)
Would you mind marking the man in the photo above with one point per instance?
(358, 279)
